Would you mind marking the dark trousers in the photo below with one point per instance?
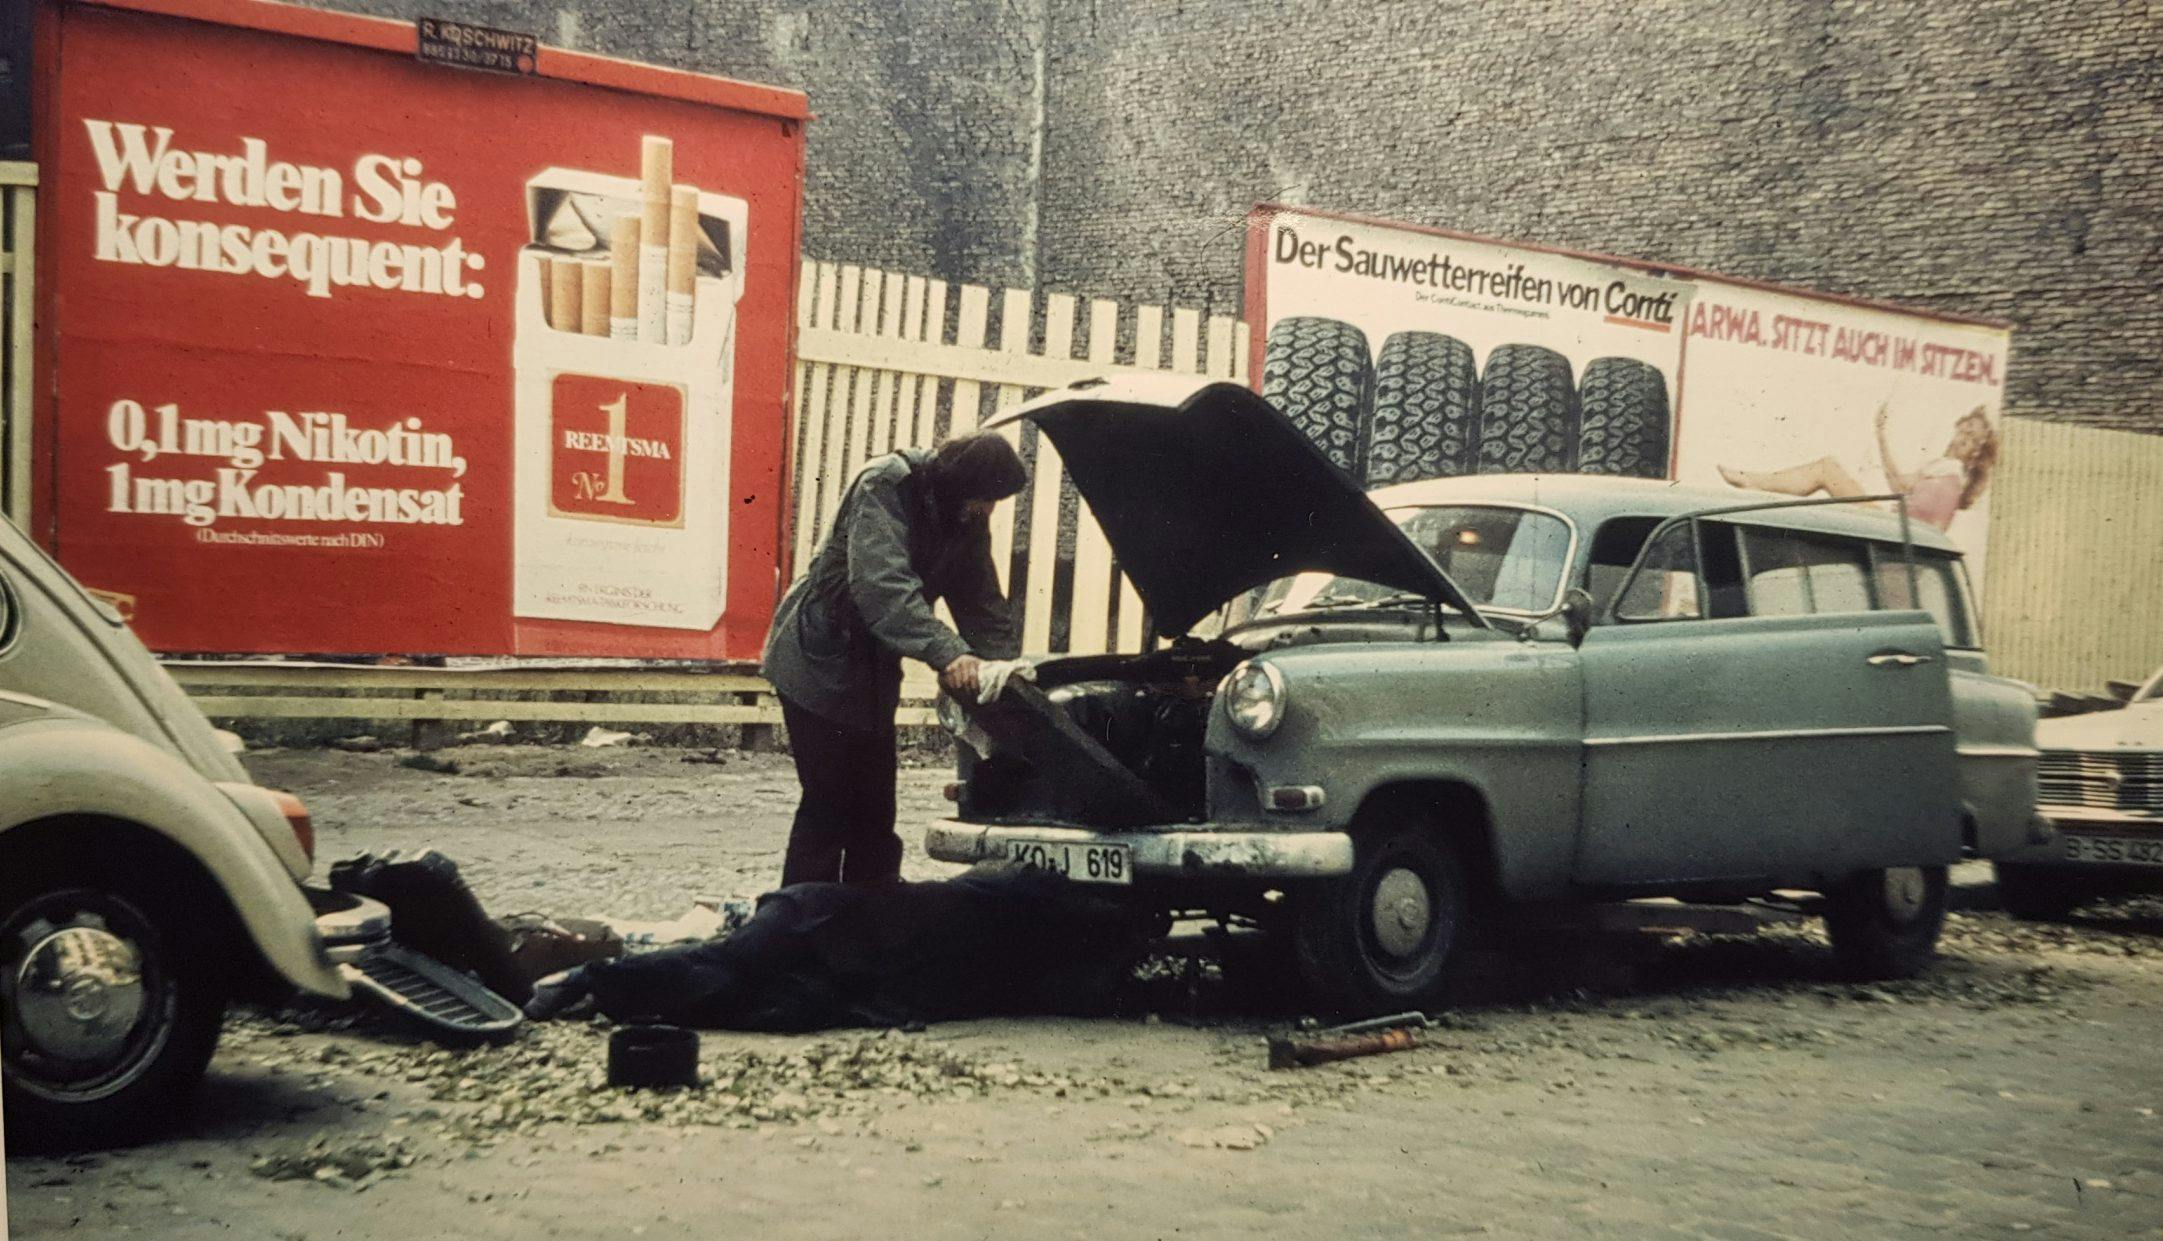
(844, 829)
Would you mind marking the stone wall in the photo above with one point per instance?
(1992, 157)
(919, 156)
(1996, 159)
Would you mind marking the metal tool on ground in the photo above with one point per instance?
(1373, 1036)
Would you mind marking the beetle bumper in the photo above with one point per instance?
(349, 926)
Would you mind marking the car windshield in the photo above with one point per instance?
(1510, 559)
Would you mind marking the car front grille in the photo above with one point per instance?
(2127, 780)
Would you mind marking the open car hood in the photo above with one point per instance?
(1205, 490)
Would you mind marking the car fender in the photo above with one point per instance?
(1500, 718)
(62, 766)
(1994, 723)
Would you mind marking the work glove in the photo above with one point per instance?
(992, 678)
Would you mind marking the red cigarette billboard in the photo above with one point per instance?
(348, 352)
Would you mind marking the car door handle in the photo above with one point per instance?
(1896, 659)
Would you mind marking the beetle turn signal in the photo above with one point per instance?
(296, 817)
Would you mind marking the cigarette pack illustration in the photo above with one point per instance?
(624, 347)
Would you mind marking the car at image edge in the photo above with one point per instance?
(145, 880)
(2100, 784)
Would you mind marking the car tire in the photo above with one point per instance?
(77, 940)
(1885, 923)
(1624, 425)
(1426, 419)
(2036, 893)
(1528, 412)
(1381, 939)
(1319, 371)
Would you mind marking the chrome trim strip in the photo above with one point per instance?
(1779, 734)
(1999, 751)
(2066, 816)
(1194, 853)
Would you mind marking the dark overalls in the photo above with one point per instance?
(834, 658)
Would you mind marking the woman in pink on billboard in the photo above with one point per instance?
(1936, 492)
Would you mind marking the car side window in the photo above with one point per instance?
(1938, 590)
(1615, 546)
(1665, 586)
(1794, 574)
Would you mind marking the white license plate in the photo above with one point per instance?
(1081, 863)
(2124, 850)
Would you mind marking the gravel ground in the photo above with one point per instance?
(1708, 1087)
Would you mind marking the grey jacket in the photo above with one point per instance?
(842, 630)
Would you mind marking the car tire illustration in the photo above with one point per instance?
(1528, 412)
(2034, 894)
(1380, 939)
(1426, 419)
(1318, 371)
(1885, 923)
(1625, 426)
(112, 1008)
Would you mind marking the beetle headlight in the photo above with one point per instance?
(1254, 699)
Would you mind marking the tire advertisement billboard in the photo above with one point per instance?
(352, 353)
(1410, 353)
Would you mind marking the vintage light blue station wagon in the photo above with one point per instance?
(1383, 718)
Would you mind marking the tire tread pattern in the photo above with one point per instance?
(1426, 420)
(1528, 412)
(1319, 371)
(1625, 425)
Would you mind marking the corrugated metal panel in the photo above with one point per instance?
(2074, 590)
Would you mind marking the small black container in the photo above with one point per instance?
(650, 1056)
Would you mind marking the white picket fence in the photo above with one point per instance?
(888, 360)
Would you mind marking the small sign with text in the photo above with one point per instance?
(476, 47)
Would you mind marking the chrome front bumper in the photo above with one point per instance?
(2058, 821)
(1192, 854)
(349, 926)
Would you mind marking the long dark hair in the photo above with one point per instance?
(1981, 456)
(977, 466)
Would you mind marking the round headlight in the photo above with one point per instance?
(1254, 699)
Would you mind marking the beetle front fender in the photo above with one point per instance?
(60, 768)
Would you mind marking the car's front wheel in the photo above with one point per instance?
(1885, 923)
(108, 1014)
(1380, 939)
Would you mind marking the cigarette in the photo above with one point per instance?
(682, 261)
(657, 165)
(548, 309)
(595, 292)
(623, 260)
(564, 289)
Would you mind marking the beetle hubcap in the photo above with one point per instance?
(86, 1007)
(1402, 913)
(80, 992)
(1906, 892)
